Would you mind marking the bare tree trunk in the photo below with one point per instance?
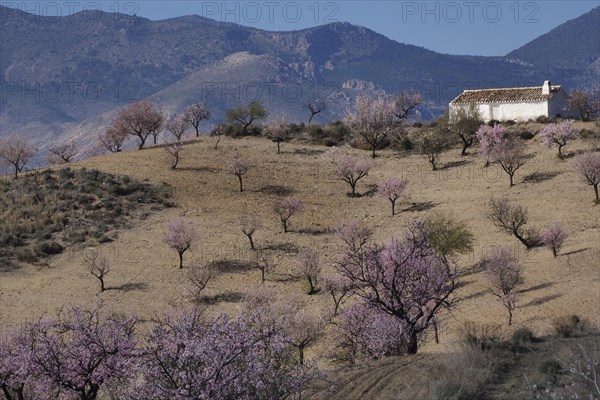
(412, 344)
(522, 239)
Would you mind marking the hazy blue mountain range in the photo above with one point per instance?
(65, 77)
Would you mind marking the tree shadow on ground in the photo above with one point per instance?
(129, 287)
(309, 152)
(474, 295)
(371, 191)
(226, 266)
(574, 252)
(277, 190)
(198, 169)
(422, 206)
(286, 278)
(537, 287)
(455, 164)
(284, 247)
(316, 231)
(541, 300)
(538, 177)
(228, 297)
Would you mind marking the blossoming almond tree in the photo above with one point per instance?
(403, 278)
(179, 235)
(140, 119)
(71, 357)
(310, 268)
(239, 167)
(553, 237)
(504, 272)
(371, 119)
(186, 357)
(351, 170)
(488, 138)
(195, 114)
(587, 165)
(558, 135)
(287, 208)
(510, 155)
(392, 189)
(250, 224)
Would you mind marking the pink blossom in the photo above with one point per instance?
(287, 208)
(587, 165)
(180, 234)
(351, 170)
(392, 189)
(553, 237)
(489, 137)
(558, 134)
(504, 272)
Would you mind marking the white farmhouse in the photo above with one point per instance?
(517, 104)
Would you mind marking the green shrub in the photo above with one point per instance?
(509, 122)
(406, 144)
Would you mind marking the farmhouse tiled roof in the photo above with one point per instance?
(506, 95)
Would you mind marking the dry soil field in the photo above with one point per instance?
(146, 280)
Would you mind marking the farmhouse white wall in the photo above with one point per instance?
(516, 111)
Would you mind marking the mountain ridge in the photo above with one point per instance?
(102, 61)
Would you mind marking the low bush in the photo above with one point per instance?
(463, 376)
(551, 368)
(542, 119)
(46, 210)
(526, 135)
(568, 325)
(483, 336)
(49, 248)
(522, 336)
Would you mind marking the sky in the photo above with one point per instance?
(489, 28)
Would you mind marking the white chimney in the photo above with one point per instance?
(546, 87)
